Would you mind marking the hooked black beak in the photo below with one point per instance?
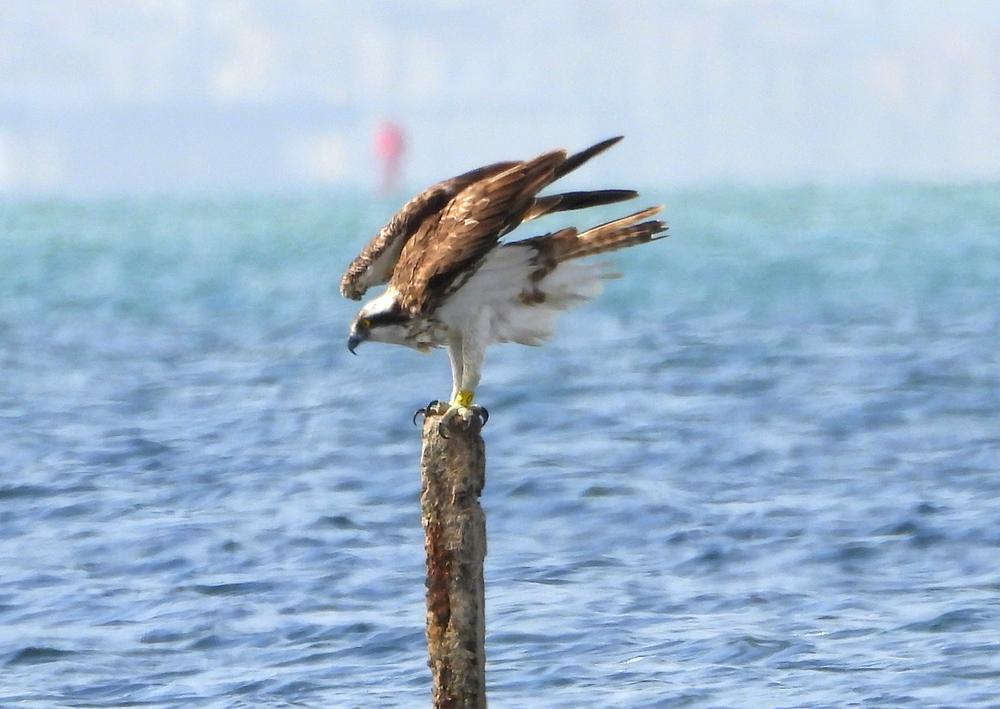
(352, 342)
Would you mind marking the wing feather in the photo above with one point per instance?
(440, 253)
(457, 221)
(374, 265)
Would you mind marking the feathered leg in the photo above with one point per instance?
(457, 369)
(457, 364)
(466, 373)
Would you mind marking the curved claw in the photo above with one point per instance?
(484, 414)
(425, 410)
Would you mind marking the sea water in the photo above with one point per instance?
(763, 470)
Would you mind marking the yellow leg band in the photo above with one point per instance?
(463, 398)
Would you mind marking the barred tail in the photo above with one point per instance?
(550, 250)
(617, 234)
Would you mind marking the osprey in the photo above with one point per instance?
(451, 282)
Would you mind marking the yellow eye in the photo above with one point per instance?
(365, 323)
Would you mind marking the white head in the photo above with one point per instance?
(381, 320)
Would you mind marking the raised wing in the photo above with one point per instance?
(377, 261)
(444, 253)
(374, 264)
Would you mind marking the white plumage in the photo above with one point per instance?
(494, 293)
(489, 307)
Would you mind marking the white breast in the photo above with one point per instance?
(495, 290)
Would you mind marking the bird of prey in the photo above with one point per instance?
(451, 283)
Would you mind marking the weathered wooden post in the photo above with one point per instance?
(452, 475)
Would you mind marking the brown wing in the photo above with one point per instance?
(576, 200)
(374, 264)
(445, 252)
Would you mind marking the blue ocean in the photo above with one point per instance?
(762, 470)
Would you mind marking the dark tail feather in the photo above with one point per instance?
(576, 160)
(577, 200)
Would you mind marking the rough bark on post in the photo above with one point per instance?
(452, 475)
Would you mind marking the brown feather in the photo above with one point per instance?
(566, 244)
(617, 234)
(576, 200)
(576, 160)
(359, 275)
(460, 219)
(467, 230)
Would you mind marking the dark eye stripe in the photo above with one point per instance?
(390, 318)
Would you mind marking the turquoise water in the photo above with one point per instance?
(763, 470)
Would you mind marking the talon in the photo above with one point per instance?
(429, 409)
(483, 413)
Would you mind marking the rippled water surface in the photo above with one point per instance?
(763, 470)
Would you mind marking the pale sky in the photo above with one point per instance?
(181, 95)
